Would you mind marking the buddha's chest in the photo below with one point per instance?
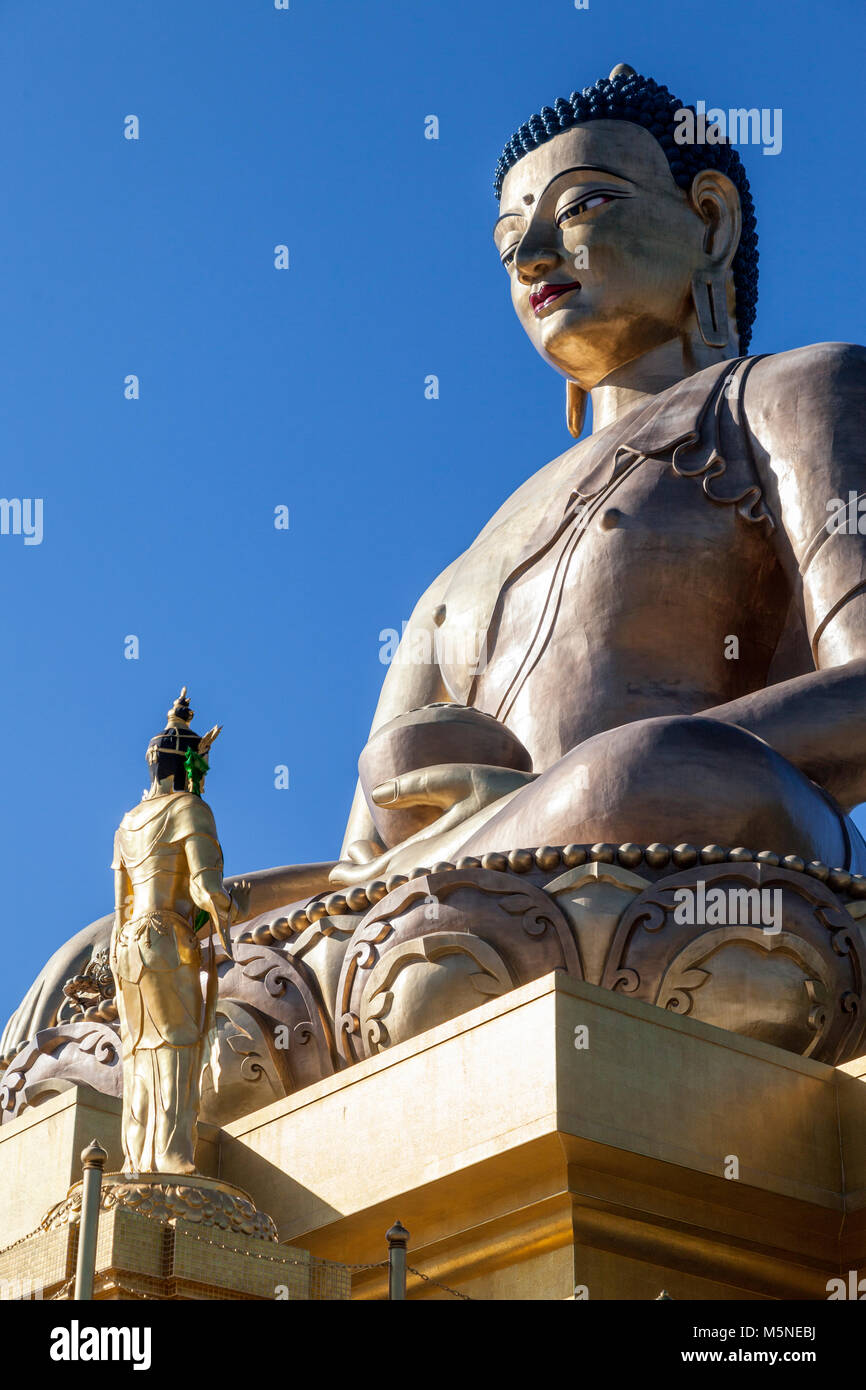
(625, 612)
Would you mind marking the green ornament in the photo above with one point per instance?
(196, 766)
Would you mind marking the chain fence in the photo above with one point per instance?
(410, 1269)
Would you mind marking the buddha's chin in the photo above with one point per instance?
(587, 346)
(567, 342)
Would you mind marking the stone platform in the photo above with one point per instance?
(567, 1136)
(562, 1136)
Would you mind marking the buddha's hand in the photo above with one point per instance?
(463, 792)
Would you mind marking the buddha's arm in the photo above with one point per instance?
(413, 679)
(817, 721)
(806, 412)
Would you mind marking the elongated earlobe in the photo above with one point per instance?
(709, 295)
(575, 407)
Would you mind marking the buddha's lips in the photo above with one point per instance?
(539, 299)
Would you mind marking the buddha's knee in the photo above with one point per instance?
(691, 778)
(690, 755)
(697, 758)
(672, 779)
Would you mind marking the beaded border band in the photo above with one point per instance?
(358, 900)
(547, 858)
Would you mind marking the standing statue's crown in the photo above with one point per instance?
(177, 751)
(180, 714)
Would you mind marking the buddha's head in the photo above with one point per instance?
(616, 238)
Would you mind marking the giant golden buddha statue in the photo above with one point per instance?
(643, 680)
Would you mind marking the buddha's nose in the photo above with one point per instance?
(533, 260)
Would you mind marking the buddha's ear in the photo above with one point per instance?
(716, 201)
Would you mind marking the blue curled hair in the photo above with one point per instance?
(627, 96)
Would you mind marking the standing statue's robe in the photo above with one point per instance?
(166, 855)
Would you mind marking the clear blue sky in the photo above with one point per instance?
(303, 388)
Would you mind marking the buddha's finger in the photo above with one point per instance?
(346, 874)
(441, 785)
(363, 851)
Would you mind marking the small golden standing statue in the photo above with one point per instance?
(169, 892)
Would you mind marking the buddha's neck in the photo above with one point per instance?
(644, 377)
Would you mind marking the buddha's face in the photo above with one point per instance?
(600, 245)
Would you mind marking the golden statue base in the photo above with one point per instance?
(172, 1197)
(161, 1236)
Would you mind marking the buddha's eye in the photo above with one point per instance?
(575, 210)
(507, 256)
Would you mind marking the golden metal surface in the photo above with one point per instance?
(168, 866)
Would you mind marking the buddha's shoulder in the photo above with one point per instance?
(500, 539)
(823, 371)
(510, 523)
(533, 495)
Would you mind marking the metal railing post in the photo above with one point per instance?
(398, 1239)
(92, 1161)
